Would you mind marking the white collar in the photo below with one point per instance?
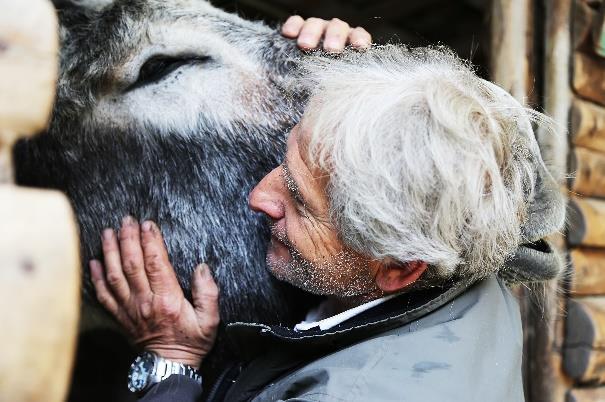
(311, 320)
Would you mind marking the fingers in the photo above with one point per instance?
(204, 292)
(113, 266)
(311, 33)
(132, 256)
(337, 33)
(360, 38)
(104, 295)
(292, 26)
(160, 273)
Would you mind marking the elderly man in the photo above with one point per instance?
(409, 190)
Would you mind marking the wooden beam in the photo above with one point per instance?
(586, 222)
(588, 170)
(39, 294)
(598, 31)
(584, 353)
(587, 272)
(29, 49)
(557, 94)
(588, 125)
(589, 77)
(544, 379)
(582, 16)
(509, 64)
(39, 247)
(28, 70)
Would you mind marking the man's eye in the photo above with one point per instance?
(157, 68)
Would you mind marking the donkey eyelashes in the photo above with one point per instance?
(157, 68)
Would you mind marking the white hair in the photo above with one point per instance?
(427, 161)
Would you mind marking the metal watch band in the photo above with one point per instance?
(164, 368)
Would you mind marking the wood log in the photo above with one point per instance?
(583, 17)
(557, 93)
(589, 77)
(39, 294)
(586, 395)
(588, 125)
(586, 219)
(28, 66)
(584, 349)
(588, 169)
(588, 272)
(543, 376)
(509, 64)
(598, 31)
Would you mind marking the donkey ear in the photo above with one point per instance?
(93, 5)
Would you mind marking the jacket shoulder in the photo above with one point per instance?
(438, 357)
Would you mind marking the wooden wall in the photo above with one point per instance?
(39, 264)
(584, 336)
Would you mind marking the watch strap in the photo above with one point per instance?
(164, 368)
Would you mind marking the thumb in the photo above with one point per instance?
(204, 292)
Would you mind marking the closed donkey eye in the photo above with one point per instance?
(158, 67)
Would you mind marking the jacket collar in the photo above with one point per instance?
(250, 339)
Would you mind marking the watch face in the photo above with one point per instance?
(140, 372)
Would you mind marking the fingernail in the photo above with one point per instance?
(94, 266)
(107, 234)
(146, 226)
(128, 220)
(204, 269)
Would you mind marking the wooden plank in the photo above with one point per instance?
(28, 66)
(588, 125)
(584, 353)
(582, 16)
(586, 222)
(598, 32)
(588, 272)
(589, 77)
(509, 64)
(557, 94)
(586, 395)
(543, 378)
(588, 169)
(39, 294)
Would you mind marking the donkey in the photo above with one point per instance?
(171, 111)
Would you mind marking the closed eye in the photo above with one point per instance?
(159, 67)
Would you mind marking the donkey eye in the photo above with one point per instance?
(157, 68)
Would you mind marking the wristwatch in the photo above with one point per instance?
(149, 368)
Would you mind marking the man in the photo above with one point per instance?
(410, 188)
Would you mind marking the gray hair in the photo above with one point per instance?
(427, 161)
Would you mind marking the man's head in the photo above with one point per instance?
(403, 159)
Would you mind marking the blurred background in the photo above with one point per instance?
(461, 24)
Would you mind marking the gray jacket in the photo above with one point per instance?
(470, 349)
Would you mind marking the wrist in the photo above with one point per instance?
(178, 355)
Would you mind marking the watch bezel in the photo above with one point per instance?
(143, 368)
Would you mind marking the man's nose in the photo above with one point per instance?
(266, 196)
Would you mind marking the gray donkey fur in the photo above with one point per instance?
(171, 111)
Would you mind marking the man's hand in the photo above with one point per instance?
(139, 287)
(336, 34)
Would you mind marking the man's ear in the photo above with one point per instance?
(394, 276)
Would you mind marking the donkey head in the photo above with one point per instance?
(171, 111)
